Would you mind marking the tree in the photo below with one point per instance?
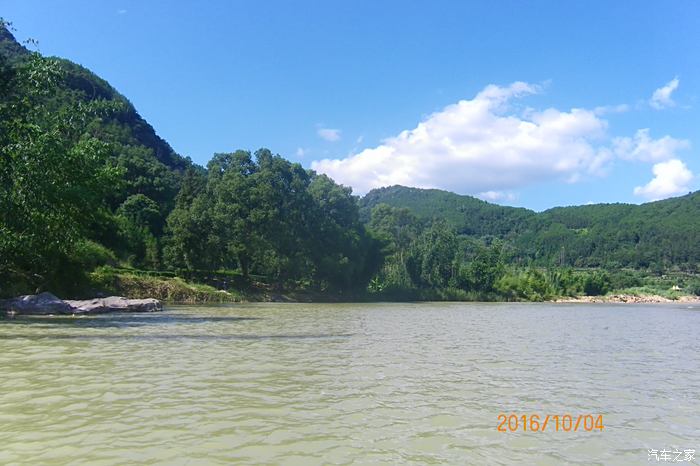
(484, 270)
(52, 173)
(345, 255)
(432, 257)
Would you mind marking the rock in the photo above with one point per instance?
(46, 303)
(40, 304)
(114, 304)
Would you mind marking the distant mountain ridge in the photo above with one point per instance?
(467, 214)
(627, 235)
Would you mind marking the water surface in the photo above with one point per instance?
(349, 384)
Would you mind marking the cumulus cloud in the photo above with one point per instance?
(329, 134)
(662, 96)
(671, 178)
(607, 109)
(479, 146)
(301, 152)
(643, 148)
(496, 196)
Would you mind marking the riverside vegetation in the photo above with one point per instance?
(93, 201)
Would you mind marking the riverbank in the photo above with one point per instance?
(629, 299)
(170, 290)
(177, 290)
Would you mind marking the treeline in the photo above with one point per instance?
(657, 236)
(430, 260)
(85, 182)
(268, 216)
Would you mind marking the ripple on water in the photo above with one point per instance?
(341, 384)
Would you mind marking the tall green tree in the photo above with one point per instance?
(431, 262)
(53, 175)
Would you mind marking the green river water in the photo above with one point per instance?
(350, 384)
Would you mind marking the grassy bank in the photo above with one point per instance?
(177, 290)
(107, 281)
(189, 288)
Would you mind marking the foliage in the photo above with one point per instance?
(484, 270)
(529, 285)
(694, 287)
(53, 174)
(88, 183)
(268, 216)
(174, 290)
(654, 236)
(596, 283)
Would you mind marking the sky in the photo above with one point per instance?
(534, 104)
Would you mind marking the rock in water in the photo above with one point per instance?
(114, 304)
(46, 303)
(39, 304)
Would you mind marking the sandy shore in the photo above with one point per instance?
(629, 299)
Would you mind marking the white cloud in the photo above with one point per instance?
(662, 96)
(300, 152)
(670, 178)
(496, 196)
(329, 134)
(606, 109)
(642, 147)
(481, 145)
(121, 12)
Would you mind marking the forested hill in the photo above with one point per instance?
(150, 172)
(88, 185)
(126, 127)
(9, 47)
(657, 234)
(61, 117)
(468, 215)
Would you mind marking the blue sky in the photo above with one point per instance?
(534, 104)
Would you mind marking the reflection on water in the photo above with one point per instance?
(173, 336)
(121, 320)
(341, 384)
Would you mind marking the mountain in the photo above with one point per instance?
(151, 167)
(656, 234)
(468, 215)
(9, 47)
(126, 221)
(88, 182)
(80, 83)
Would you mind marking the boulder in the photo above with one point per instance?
(114, 304)
(46, 304)
(37, 304)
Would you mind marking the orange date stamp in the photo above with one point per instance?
(553, 422)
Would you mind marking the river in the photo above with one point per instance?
(351, 384)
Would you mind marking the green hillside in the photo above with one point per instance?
(55, 108)
(90, 189)
(661, 234)
(468, 215)
(88, 183)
